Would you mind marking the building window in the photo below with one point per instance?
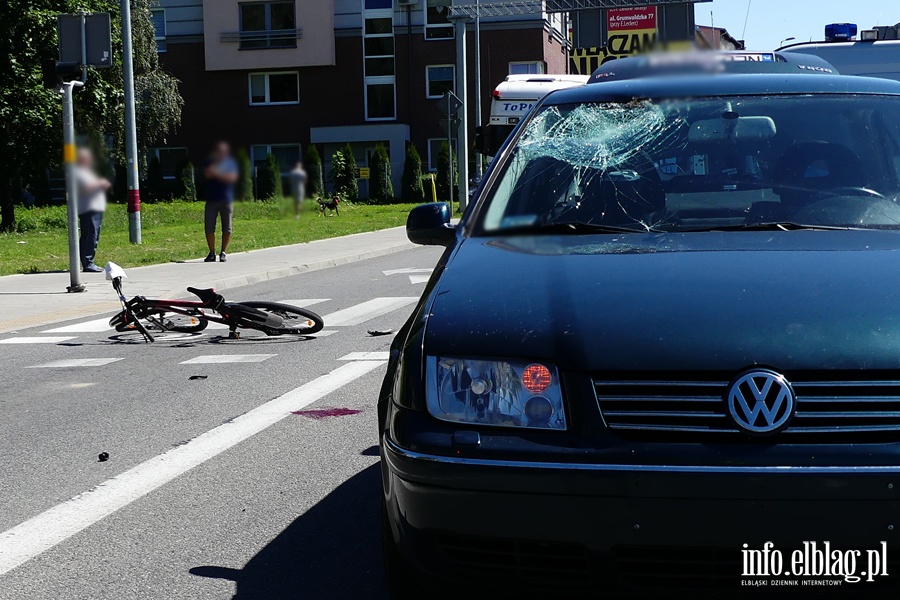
(437, 21)
(171, 160)
(158, 19)
(439, 79)
(267, 25)
(526, 68)
(378, 57)
(287, 155)
(274, 88)
(434, 150)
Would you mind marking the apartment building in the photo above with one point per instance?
(273, 76)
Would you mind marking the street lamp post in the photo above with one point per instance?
(790, 39)
(462, 136)
(478, 123)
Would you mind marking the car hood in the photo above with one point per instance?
(796, 300)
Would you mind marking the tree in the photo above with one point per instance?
(381, 189)
(154, 185)
(343, 176)
(268, 183)
(444, 174)
(411, 187)
(245, 175)
(31, 116)
(188, 185)
(315, 181)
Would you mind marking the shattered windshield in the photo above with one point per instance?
(824, 161)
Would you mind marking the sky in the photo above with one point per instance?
(771, 21)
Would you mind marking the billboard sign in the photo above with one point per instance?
(629, 31)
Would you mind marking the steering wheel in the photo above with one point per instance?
(855, 191)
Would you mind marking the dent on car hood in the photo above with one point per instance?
(700, 301)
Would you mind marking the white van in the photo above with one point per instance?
(512, 100)
(871, 56)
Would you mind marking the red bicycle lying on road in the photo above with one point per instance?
(187, 316)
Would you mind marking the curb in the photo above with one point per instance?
(50, 318)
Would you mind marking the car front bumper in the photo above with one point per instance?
(632, 529)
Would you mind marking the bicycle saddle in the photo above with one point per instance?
(206, 295)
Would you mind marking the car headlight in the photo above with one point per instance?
(494, 392)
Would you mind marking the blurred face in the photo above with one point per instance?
(222, 151)
(85, 158)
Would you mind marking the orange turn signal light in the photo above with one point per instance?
(536, 378)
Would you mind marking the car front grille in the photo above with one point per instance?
(833, 407)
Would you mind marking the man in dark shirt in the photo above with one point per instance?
(221, 174)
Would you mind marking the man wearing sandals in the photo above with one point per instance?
(221, 174)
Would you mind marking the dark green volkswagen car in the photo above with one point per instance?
(661, 353)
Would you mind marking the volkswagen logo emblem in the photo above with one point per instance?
(761, 402)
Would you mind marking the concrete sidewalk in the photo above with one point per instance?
(41, 299)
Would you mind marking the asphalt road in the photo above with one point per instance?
(214, 488)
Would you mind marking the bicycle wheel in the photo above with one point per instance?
(173, 321)
(294, 320)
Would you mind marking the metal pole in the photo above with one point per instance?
(450, 148)
(131, 166)
(478, 123)
(75, 284)
(462, 137)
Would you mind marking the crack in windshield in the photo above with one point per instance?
(691, 165)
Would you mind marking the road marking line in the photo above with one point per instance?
(95, 326)
(419, 278)
(324, 333)
(208, 359)
(76, 362)
(303, 302)
(37, 339)
(407, 270)
(55, 525)
(366, 356)
(364, 311)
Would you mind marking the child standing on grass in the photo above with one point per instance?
(221, 174)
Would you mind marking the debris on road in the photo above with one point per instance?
(376, 332)
(322, 413)
(104, 456)
(192, 377)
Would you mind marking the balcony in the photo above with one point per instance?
(262, 40)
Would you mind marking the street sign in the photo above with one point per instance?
(363, 173)
(96, 49)
(449, 104)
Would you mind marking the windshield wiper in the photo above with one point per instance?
(770, 226)
(573, 228)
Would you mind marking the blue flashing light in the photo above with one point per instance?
(838, 32)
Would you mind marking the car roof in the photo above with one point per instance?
(684, 86)
(710, 62)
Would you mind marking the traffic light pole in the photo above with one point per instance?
(69, 155)
(131, 164)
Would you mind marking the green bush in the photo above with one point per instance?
(411, 187)
(268, 183)
(187, 185)
(42, 219)
(444, 170)
(381, 189)
(315, 183)
(343, 176)
(244, 189)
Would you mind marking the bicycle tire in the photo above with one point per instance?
(312, 323)
(173, 321)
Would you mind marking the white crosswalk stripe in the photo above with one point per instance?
(38, 339)
(366, 356)
(303, 302)
(419, 278)
(76, 362)
(360, 313)
(208, 359)
(94, 326)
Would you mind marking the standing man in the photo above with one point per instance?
(91, 206)
(221, 174)
(298, 187)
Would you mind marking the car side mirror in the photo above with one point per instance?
(429, 225)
